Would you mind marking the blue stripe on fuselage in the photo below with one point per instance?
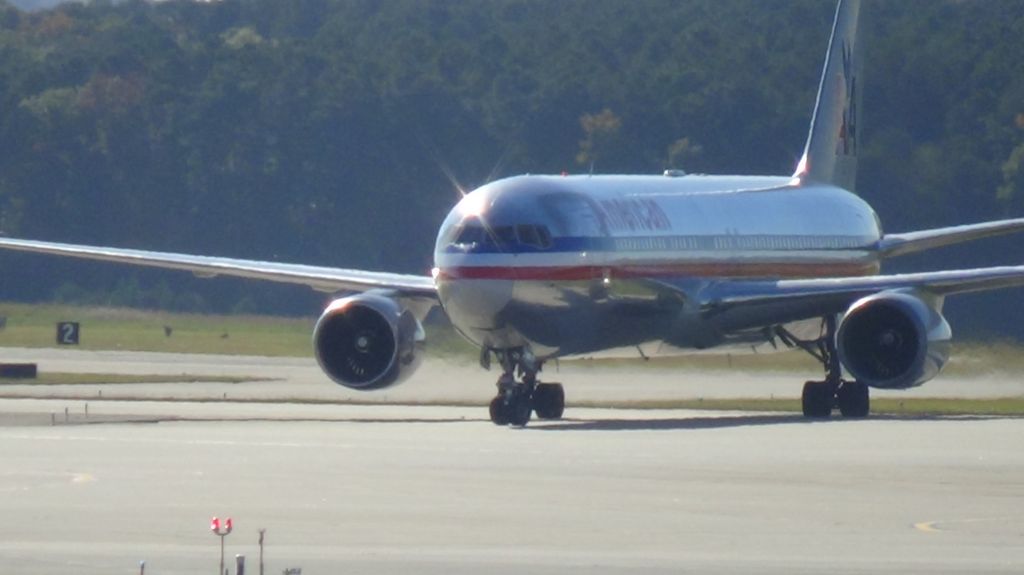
(672, 243)
(564, 244)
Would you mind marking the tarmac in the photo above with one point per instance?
(427, 489)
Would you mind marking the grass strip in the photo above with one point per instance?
(33, 325)
(136, 330)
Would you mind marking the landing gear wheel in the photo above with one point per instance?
(515, 401)
(499, 412)
(817, 399)
(549, 400)
(853, 400)
(519, 410)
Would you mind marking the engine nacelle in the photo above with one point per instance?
(367, 341)
(893, 340)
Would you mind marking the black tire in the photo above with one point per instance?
(549, 400)
(519, 410)
(853, 399)
(499, 412)
(817, 400)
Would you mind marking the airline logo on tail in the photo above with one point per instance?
(830, 155)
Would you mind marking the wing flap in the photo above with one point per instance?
(320, 278)
(734, 305)
(844, 291)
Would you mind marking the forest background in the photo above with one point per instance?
(333, 132)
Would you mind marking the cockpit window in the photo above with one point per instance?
(506, 235)
(535, 236)
(472, 232)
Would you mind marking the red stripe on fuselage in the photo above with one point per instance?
(700, 270)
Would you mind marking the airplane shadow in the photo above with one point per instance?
(696, 422)
(727, 421)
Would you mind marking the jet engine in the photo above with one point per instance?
(893, 340)
(367, 341)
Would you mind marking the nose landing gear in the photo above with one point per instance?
(516, 401)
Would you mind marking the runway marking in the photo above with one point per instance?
(208, 442)
(28, 481)
(83, 478)
(933, 526)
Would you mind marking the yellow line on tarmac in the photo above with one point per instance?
(933, 526)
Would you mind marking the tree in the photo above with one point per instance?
(1012, 189)
(601, 137)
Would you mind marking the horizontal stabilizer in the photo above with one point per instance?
(892, 245)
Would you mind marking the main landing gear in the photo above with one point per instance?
(516, 401)
(819, 398)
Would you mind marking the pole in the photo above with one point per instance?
(216, 528)
(262, 531)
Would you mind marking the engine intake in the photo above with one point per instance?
(367, 342)
(893, 340)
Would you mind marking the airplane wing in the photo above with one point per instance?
(320, 278)
(899, 244)
(805, 298)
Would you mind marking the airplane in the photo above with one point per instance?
(538, 267)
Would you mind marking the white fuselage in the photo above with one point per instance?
(571, 265)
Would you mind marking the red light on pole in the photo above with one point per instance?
(221, 529)
(215, 526)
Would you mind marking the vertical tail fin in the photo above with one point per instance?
(830, 155)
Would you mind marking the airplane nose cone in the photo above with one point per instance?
(474, 305)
